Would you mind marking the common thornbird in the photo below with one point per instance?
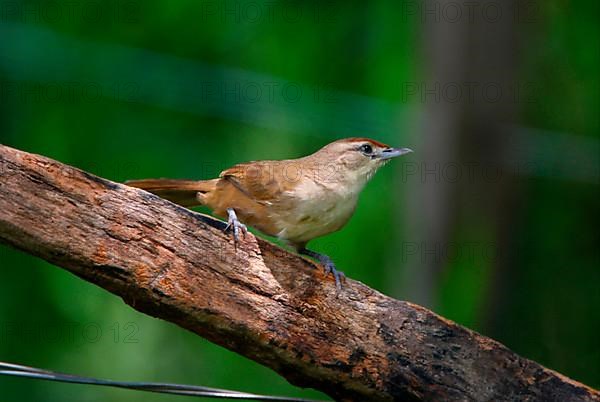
(295, 200)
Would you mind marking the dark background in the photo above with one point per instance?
(491, 222)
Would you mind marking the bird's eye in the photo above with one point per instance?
(366, 149)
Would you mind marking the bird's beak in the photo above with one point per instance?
(389, 153)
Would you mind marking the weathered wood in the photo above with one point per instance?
(259, 300)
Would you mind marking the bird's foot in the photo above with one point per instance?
(234, 224)
(337, 275)
(328, 265)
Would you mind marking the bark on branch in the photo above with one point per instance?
(259, 300)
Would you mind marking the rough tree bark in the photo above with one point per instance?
(258, 300)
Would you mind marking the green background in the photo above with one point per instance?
(183, 89)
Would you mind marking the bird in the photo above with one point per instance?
(295, 200)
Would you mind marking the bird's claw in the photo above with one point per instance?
(328, 265)
(238, 227)
(337, 275)
(234, 224)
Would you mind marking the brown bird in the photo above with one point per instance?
(295, 200)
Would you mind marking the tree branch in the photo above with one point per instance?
(259, 300)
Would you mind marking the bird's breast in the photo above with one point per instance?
(315, 211)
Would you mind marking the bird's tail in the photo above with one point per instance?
(188, 193)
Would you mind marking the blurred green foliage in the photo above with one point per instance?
(130, 104)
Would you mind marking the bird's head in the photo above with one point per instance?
(357, 159)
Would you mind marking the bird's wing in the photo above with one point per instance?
(258, 180)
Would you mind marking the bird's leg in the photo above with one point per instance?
(234, 224)
(327, 263)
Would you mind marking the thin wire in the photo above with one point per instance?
(17, 370)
